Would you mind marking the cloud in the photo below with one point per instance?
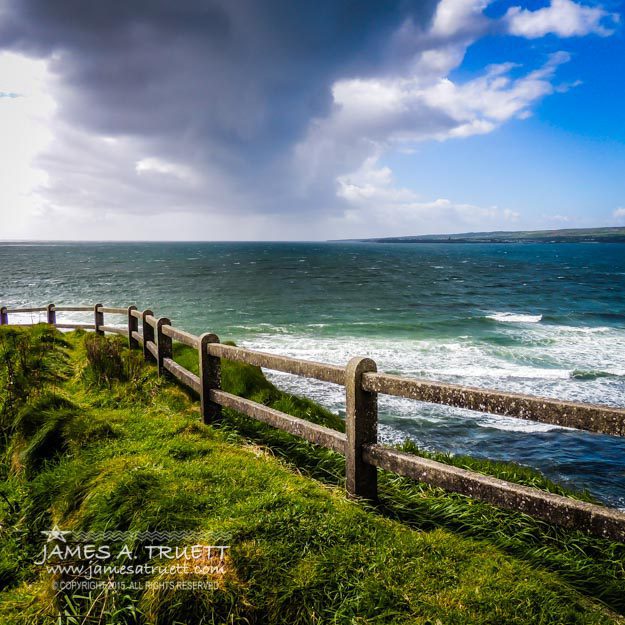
(371, 116)
(160, 167)
(563, 18)
(619, 213)
(259, 111)
(220, 89)
(374, 200)
(459, 17)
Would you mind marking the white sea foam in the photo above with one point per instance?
(545, 360)
(504, 372)
(584, 329)
(510, 317)
(510, 424)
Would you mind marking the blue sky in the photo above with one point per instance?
(262, 120)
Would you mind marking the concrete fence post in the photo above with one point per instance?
(148, 333)
(210, 378)
(361, 424)
(51, 314)
(163, 344)
(4, 316)
(133, 326)
(98, 319)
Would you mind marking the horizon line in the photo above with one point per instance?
(343, 240)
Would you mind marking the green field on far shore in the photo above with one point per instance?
(564, 235)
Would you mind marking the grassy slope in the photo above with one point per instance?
(90, 453)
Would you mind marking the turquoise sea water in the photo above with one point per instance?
(546, 319)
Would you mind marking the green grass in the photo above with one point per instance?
(99, 448)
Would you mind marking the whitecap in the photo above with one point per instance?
(510, 424)
(509, 317)
(586, 329)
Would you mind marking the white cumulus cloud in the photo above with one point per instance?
(564, 18)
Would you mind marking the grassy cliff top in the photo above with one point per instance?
(94, 442)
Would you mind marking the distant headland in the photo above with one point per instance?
(569, 235)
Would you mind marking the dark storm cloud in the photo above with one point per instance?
(227, 85)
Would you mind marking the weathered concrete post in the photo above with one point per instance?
(133, 326)
(148, 333)
(163, 344)
(51, 314)
(4, 316)
(210, 378)
(361, 424)
(98, 319)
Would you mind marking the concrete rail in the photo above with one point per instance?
(295, 366)
(592, 418)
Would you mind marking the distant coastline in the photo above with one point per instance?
(569, 235)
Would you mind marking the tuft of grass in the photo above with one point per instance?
(301, 553)
(108, 361)
(31, 359)
(40, 431)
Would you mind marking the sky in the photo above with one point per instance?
(274, 120)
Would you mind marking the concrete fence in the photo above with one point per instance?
(359, 444)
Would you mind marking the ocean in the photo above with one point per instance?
(544, 319)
